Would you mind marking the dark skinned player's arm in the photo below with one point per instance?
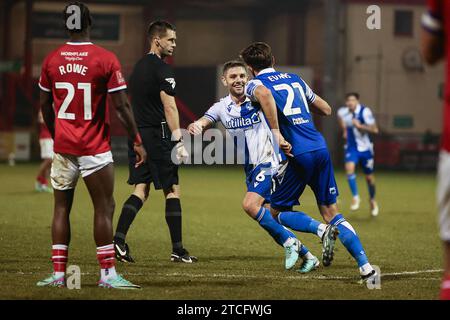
(46, 105)
(122, 105)
(432, 47)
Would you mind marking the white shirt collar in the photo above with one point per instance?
(358, 108)
(266, 70)
(78, 43)
(229, 100)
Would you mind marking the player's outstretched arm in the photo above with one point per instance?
(320, 107)
(123, 109)
(45, 102)
(268, 105)
(197, 127)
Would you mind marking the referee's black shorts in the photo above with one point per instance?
(159, 168)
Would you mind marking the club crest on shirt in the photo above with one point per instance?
(119, 76)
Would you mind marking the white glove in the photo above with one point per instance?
(181, 153)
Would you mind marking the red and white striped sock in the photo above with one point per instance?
(60, 253)
(107, 260)
(42, 180)
(445, 288)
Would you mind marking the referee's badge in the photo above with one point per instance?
(172, 82)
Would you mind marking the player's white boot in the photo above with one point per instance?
(291, 248)
(374, 210)
(368, 274)
(356, 201)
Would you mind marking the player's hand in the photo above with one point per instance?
(356, 123)
(195, 128)
(181, 152)
(286, 147)
(141, 155)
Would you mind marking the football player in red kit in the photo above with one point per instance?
(436, 46)
(77, 78)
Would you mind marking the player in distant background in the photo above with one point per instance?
(435, 47)
(357, 122)
(243, 119)
(46, 145)
(75, 81)
(310, 163)
(153, 91)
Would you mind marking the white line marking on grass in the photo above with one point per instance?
(248, 276)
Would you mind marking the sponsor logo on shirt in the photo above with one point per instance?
(241, 122)
(74, 56)
(300, 120)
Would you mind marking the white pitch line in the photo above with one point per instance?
(243, 276)
(411, 272)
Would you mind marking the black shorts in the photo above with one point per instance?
(159, 168)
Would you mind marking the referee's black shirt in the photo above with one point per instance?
(150, 76)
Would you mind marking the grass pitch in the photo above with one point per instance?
(238, 260)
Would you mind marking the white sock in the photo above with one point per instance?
(59, 274)
(108, 273)
(289, 242)
(365, 269)
(321, 230)
(308, 256)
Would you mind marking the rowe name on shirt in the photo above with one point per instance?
(73, 68)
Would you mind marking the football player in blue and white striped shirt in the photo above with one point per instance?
(357, 122)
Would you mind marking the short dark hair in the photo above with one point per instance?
(352, 94)
(233, 64)
(159, 28)
(258, 55)
(85, 17)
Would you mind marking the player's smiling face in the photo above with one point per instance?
(235, 79)
(168, 43)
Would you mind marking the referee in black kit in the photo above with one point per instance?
(152, 90)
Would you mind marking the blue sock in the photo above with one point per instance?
(279, 233)
(299, 221)
(352, 183)
(303, 251)
(350, 239)
(371, 188)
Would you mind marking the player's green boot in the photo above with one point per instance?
(52, 281)
(117, 283)
(291, 249)
(46, 188)
(309, 265)
(37, 186)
